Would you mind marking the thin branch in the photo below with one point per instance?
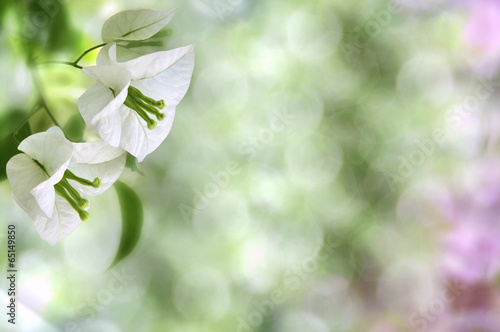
(49, 113)
(73, 63)
(87, 51)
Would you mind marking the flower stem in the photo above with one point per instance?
(73, 63)
(87, 51)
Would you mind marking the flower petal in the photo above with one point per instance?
(94, 152)
(104, 57)
(137, 139)
(97, 159)
(149, 65)
(135, 24)
(24, 175)
(44, 195)
(98, 108)
(51, 149)
(100, 103)
(164, 76)
(62, 223)
(171, 84)
(112, 77)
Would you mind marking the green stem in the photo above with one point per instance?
(73, 63)
(87, 51)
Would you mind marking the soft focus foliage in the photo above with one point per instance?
(332, 167)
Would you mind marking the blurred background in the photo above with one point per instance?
(333, 167)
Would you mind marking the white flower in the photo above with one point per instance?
(51, 180)
(121, 106)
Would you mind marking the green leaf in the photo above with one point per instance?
(74, 128)
(132, 220)
(13, 129)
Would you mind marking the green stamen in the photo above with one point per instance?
(137, 94)
(70, 176)
(150, 109)
(72, 196)
(131, 103)
(60, 190)
(142, 105)
(82, 202)
(160, 104)
(64, 189)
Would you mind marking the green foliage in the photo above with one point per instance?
(74, 128)
(13, 129)
(132, 220)
(44, 27)
(3, 8)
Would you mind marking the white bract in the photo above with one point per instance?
(51, 180)
(121, 105)
(135, 24)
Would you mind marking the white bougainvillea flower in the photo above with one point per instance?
(135, 24)
(51, 179)
(132, 104)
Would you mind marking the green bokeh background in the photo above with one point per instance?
(283, 148)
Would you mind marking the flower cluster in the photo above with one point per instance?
(130, 107)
